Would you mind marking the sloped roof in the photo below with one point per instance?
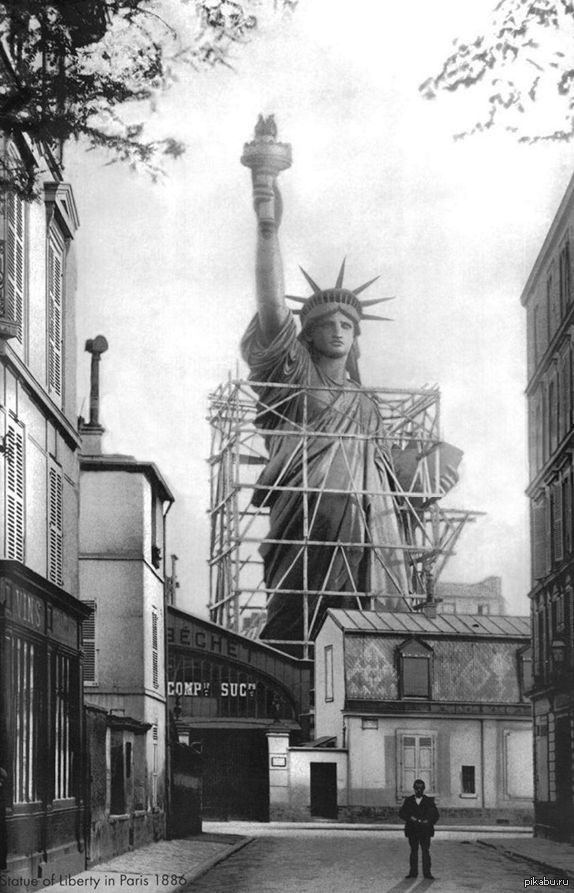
(415, 623)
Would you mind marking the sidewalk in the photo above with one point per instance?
(168, 865)
(544, 855)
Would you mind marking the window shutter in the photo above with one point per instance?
(557, 521)
(564, 395)
(567, 509)
(553, 411)
(14, 457)
(55, 531)
(89, 644)
(154, 645)
(548, 530)
(55, 299)
(539, 431)
(15, 271)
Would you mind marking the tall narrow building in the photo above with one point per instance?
(549, 301)
(124, 505)
(41, 748)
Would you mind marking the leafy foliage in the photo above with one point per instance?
(67, 67)
(522, 70)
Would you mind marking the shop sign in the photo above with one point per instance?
(189, 635)
(22, 607)
(212, 690)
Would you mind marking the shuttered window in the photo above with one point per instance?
(417, 754)
(567, 511)
(155, 647)
(15, 283)
(55, 524)
(565, 393)
(548, 529)
(565, 277)
(89, 645)
(553, 411)
(14, 465)
(55, 306)
(557, 520)
(155, 766)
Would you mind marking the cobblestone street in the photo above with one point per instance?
(344, 861)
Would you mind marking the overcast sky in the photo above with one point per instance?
(166, 270)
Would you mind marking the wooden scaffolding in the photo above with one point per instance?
(410, 426)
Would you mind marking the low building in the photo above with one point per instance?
(400, 696)
(227, 694)
(124, 504)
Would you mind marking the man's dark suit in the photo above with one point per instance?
(419, 828)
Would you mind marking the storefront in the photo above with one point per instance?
(41, 724)
(225, 692)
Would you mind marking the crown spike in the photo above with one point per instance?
(372, 316)
(339, 282)
(357, 291)
(374, 301)
(313, 285)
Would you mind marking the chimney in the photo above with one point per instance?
(91, 432)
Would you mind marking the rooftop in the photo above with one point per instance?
(414, 623)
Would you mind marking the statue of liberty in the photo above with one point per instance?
(329, 483)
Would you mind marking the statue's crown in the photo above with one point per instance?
(329, 300)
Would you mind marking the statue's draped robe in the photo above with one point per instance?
(353, 460)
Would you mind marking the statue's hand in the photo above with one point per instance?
(278, 205)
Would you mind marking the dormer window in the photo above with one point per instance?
(415, 669)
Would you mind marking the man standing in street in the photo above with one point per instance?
(420, 816)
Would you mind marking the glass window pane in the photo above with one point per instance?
(415, 677)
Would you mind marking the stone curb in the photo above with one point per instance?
(208, 864)
(501, 830)
(537, 863)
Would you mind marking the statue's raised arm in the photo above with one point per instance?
(267, 158)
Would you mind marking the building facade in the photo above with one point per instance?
(400, 696)
(122, 575)
(40, 616)
(548, 298)
(484, 597)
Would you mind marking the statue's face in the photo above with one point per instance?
(332, 336)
